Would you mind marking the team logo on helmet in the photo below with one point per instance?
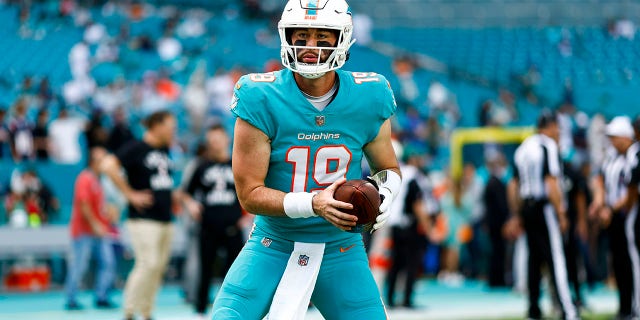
(310, 12)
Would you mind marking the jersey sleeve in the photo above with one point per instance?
(387, 99)
(249, 104)
(551, 161)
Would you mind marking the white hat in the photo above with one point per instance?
(620, 127)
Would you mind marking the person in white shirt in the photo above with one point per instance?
(64, 134)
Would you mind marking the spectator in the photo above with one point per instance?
(576, 189)
(212, 201)
(79, 63)
(148, 189)
(169, 48)
(15, 208)
(96, 134)
(220, 91)
(434, 136)
(439, 98)
(120, 133)
(409, 226)
(64, 134)
(41, 136)
(191, 268)
(530, 81)
(566, 113)
(21, 133)
(45, 93)
(94, 33)
(484, 118)
(407, 92)
(90, 229)
(362, 29)
(497, 214)
(110, 97)
(39, 196)
(30, 199)
(457, 209)
(597, 141)
(195, 98)
(4, 134)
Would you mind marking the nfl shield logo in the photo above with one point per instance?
(266, 242)
(320, 121)
(303, 260)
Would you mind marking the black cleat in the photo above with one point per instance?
(73, 306)
(105, 304)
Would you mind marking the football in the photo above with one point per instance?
(364, 197)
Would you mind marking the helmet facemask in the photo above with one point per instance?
(331, 56)
(326, 20)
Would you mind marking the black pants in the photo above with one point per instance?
(497, 260)
(545, 248)
(572, 252)
(622, 262)
(408, 247)
(636, 265)
(211, 239)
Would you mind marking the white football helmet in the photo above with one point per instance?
(320, 14)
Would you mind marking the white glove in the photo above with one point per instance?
(388, 182)
(381, 219)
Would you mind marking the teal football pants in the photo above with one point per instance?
(345, 288)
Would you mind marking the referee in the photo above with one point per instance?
(538, 175)
(610, 199)
(632, 226)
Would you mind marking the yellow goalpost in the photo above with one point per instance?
(464, 136)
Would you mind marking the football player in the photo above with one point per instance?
(299, 134)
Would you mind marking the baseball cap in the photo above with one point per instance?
(620, 126)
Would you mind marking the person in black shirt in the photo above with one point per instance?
(41, 135)
(576, 188)
(218, 210)
(497, 213)
(409, 223)
(148, 189)
(120, 133)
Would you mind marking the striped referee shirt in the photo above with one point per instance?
(536, 158)
(613, 174)
(632, 172)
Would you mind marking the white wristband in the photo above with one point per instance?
(299, 205)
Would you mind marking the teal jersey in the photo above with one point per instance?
(310, 149)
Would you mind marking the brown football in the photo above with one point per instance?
(364, 197)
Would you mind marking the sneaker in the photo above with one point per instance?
(105, 304)
(73, 306)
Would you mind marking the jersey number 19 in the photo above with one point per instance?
(330, 163)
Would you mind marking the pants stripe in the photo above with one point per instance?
(559, 264)
(635, 258)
